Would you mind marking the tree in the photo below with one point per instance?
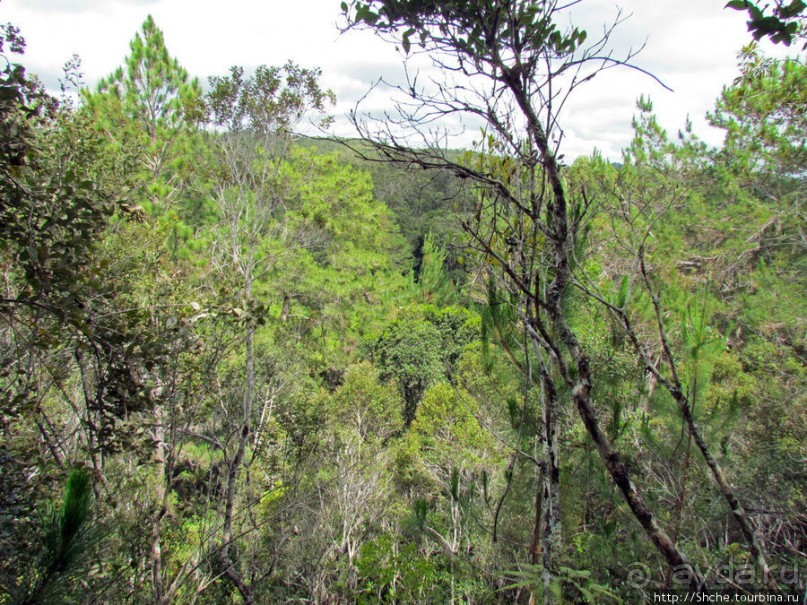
(765, 127)
(253, 118)
(353, 479)
(346, 269)
(53, 209)
(145, 108)
(420, 349)
(433, 280)
(96, 337)
(509, 65)
(745, 186)
(409, 352)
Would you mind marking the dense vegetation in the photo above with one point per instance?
(241, 366)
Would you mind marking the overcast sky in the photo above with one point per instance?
(691, 45)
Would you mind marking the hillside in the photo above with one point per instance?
(243, 366)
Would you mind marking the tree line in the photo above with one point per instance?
(242, 366)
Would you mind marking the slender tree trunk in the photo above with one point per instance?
(621, 477)
(673, 386)
(738, 511)
(234, 468)
(284, 312)
(680, 501)
(550, 502)
(535, 542)
(562, 240)
(161, 499)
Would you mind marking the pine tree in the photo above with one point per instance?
(145, 107)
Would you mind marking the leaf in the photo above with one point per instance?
(793, 10)
(737, 5)
(623, 293)
(405, 42)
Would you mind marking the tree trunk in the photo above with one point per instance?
(550, 502)
(284, 312)
(234, 470)
(561, 240)
(673, 386)
(156, 524)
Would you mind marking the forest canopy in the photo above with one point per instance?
(242, 365)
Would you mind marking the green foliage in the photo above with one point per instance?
(364, 405)
(272, 99)
(55, 209)
(447, 424)
(434, 281)
(64, 524)
(574, 581)
(145, 108)
(152, 88)
(409, 351)
(141, 252)
(53, 206)
(782, 26)
(761, 114)
(66, 551)
(420, 349)
(146, 112)
(436, 21)
(396, 575)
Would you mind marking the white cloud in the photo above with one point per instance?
(691, 45)
(81, 6)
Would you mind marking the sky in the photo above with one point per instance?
(691, 45)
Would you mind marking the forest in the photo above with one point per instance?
(243, 365)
